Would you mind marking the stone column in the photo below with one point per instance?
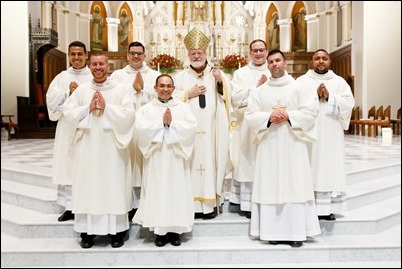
(328, 31)
(312, 32)
(179, 13)
(47, 14)
(112, 29)
(285, 35)
(346, 21)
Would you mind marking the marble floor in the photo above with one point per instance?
(362, 152)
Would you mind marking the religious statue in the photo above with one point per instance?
(273, 32)
(198, 11)
(124, 29)
(97, 26)
(300, 26)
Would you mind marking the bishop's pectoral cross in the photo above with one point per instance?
(279, 106)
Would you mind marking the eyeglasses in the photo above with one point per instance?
(133, 53)
(258, 50)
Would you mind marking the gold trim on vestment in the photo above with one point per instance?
(205, 200)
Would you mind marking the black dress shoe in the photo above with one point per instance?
(233, 208)
(327, 217)
(160, 240)
(67, 215)
(87, 241)
(198, 215)
(117, 241)
(296, 244)
(331, 217)
(86, 244)
(248, 214)
(131, 214)
(274, 242)
(174, 239)
(209, 215)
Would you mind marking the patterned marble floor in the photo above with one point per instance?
(361, 151)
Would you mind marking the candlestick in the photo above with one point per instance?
(159, 68)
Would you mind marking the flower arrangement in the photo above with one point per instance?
(232, 62)
(164, 63)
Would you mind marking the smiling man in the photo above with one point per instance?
(61, 87)
(140, 79)
(101, 114)
(166, 131)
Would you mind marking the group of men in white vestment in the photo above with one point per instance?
(154, 149)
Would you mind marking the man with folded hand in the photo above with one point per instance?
(166, 131)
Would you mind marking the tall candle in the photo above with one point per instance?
(159, 68)
(239, 64)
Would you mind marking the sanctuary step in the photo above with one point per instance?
(203, 250)
(366, 235)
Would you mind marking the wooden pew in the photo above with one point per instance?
(396, 123)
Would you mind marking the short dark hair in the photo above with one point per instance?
(77, 44)
(164, 75)
(323, 50)
(272, 52)
(136, 44)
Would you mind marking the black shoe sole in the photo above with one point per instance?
(330, 217)
(296, 244)
(66, 216)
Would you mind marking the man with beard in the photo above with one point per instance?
(101, 114)
(327, 154)
(207, 90)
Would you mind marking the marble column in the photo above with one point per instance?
(346, 21)
(312, 32)
(112, 29)
(47, 14)
(285, 35)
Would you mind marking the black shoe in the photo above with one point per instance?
(87, 241)
(66, 216)
(248, 214)
(198, 215)
(174, 239)
(211, 215)
(328, 217)
(296, 244)
(131, 214)
(160, 240)
(274, 242)
(331, 217)
(117, 241)
(234, 208)
(86, 244)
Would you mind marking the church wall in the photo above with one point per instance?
(383, 53)
(14, 54)
(374, 67)
(376, 53)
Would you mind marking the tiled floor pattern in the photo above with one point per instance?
(359, 150)
(361, 153)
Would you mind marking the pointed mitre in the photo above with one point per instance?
(196, 39)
